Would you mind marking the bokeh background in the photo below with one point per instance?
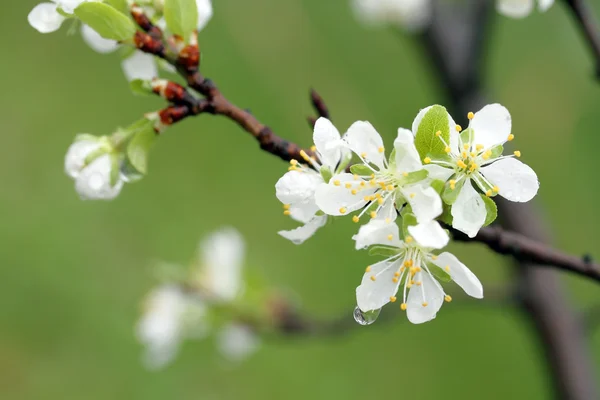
(73, 273)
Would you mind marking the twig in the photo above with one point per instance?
(589, 27)
(319, 106)
(541, 296)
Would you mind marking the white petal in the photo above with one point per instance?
(296, 186)
(429, 234)
(491, 125)
(76, 155)
(412, 15)
(236, 342)
(425, 202)
(407, 156)
(97, 42)
(44, 18)
(139, 66)
(544, 5)
(374, 294)
(69, 6)
(438, 172)
(205, 13)
(304, 211)
(302, 233)
(377, 231)
(428, 292)
(328, 142)
(222, 259)
(363, 139)
(460, 274)
(516, 181)
(387, 211)
(451, 126)
(515, 8)
(468, 211)
(331, 199)
(93, 182)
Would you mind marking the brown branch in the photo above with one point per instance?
(589, 27)
(320, 107)
(454, 42)
(525, 249)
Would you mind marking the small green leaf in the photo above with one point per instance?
(438, 273)
(181, 17)
(449, 195)
(496, 151)
(414, 177)
(106, 20)
(326, 173)
(120, 5)
(392, 160)
(114, 169)
(361, 169)
(138, 149)
(93, 155)
(408, 219)
(466, 136)
(446, 216)
(344, 163)
(437, 185)
(427, 142)
(491, 209)
(383, 251)
(141, 87)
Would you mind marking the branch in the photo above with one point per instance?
(319, 106)
(541, 296)
(589, 27)
(524, 249)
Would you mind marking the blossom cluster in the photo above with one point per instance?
(185, 308)
(436, 172)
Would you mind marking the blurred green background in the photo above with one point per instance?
(73, 273)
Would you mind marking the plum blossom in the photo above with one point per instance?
(296, 189)
(475, 161)
(410, 14)
(91, 163)
(412, 268)
(521, 8)
(379, 186)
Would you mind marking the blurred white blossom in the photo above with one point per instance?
(521, 8)
(410, 14)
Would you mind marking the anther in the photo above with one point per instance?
(355, 219)
(517, 153)
(373, 214)
(438, 133)
(479, 147)
(395, 280)
(355, 177)
(354, 191)
(380, 201)
(390, 236)
(447, 149)
(362, 183)
(461, 164)
(419, 283)
(488, 193)
(313, 148)
(426, 160)
(458, 128)
(473, 154)
(373, 278)
(388, 220)
(510, 137)
(412, 195)
(396, 274)
(448, 298)
(470, 115)
(393, 299)
(286, 206)
(368, 269)
(466, 146)
(434, 257)
(348, 185)
(367, 198)
(496, 189)
(343, 210)
(287, 212)
(405, 174)
(304, 155)
(337, 182)
(425, 304)
(294, 162)
(447, 268)
(363, 155)
(389, 188)
(381, 149)
(409, 239)
(403, 306)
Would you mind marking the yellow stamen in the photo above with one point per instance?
(419, 283)
(517, 153)
(363, 155)
(458, 128)
(396, 274)
(473, 154)
(405, 174)
(447, 268)
(380, 201)
(294, 162)
(381, 149)
(403, 306)
(368, 269)
(343, 210)
(373, 278)
(470, 115)
(287, 212)
(461, 164)
(488, 193)
(409, 239)
(337, 182)
(389, 188)
(286, 206)
(447, 149)
(496, 189)
(426, 160)
(510, 137)
(438, 133)
(466, 146)
(373, 214)
(395, 280)
(313, 148)
(412, 195)
(362, 183)
(479, 147)
(355, 177)
(425, 304)
(367, 198)
(388, 220)
(304, 155)
(448, 298)
(390, 236)
(354, 191)
(393, 299)
(348, 185)
(355, 219)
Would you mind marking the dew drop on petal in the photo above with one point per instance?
(365, 318)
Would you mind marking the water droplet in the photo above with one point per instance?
(365, 318)
(129, 173)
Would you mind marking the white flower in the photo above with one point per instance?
(221, 261)
(475, 157)
(521, 8)
(92, 177)
(411, 14)
(236, 341)
(205, 13)
(380, 187)
(412, 267)
(296, 189)
(163, 325)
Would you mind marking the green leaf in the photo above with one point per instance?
(414, 177)
(361, 169)
(326, 173)
(446, 216)
(344, 163)
(114, 169)
(141, 87)
(439, 273)
(426, 141)
(392, 160)
(437, 185)
(181, 17)
(491, 209)
(496, 151)
(139, 148)
(383, 251)
(120, 5)
(106, 20)
(408, 219)
(449, 195)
